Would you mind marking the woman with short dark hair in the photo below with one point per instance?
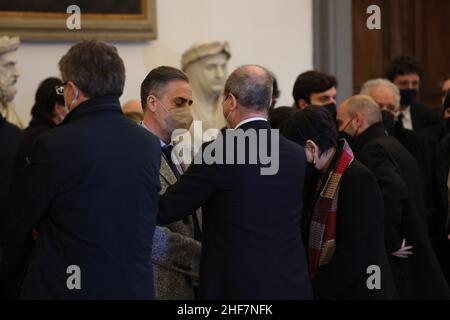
(47, 112)
(48, 108)
(344, 214)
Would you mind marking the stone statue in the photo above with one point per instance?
(8, 79)
(206, 66)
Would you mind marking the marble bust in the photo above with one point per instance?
(206, 66)
(8, 79)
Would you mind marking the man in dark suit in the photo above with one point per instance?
(387, 96)
(10, 137)
(252, 247)
(416, 270)
(90, 188)
(406, 73)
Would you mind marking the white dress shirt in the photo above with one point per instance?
(407, 120)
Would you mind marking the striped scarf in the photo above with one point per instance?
(322, 235)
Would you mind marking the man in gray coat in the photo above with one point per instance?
(166, 97)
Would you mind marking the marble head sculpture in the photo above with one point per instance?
(206, 66)
(8, 78)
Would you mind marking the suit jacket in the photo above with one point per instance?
(30, 134)
(397, 173)
(359, 242)
(91, 187)
(427, 121)
(424, 152)
(251, 246)
(444, 167)
(176, 254)
(10, 138)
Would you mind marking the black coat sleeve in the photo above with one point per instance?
(190, 192)
(359, 233)
(393, 189)
(30, 195)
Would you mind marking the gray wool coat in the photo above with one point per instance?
(175, 254)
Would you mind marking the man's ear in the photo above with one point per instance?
(70, 88)
(359, 119)
(311, 149)
(234, 102)
(151, 103)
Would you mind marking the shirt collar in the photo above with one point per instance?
(407, 112)
(250, 120)
(163, 144)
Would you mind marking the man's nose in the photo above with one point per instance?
(219, 72)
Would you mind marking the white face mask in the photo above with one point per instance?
(228, 117)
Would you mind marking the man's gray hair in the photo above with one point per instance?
(95, 67)
(252, 86)
(383, 83)
(366, 106)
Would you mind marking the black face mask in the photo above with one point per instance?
(408, 97)
(346, 136)
(447, 124)
(388, 120)
(331, 107)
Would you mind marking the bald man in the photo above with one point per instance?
(252, 247)
(387, 96)
(414, 265)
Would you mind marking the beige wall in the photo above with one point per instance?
(274, 33)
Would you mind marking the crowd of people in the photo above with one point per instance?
(95, 205)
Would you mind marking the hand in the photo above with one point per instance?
(404, 252)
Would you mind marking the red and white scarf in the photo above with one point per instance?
(322, 234)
